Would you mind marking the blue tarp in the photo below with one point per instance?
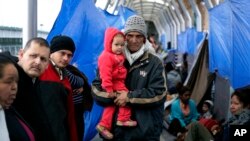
(125, 12)
(78, 19)
(114, 20)
(229, 41)
(189, 40)
(118, 20)
(86, 25)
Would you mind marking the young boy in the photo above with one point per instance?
(113, 74)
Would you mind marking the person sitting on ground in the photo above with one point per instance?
(207, 119)
(207, 109)
(240, 110)
(183, 111)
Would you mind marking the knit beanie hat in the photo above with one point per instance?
(62, 42)
(135, 23)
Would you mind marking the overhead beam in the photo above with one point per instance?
(174, 33)
(197, 12)
(186, 13)
(107, 4)
(167, 26)
(179, 15)
(208, 4)
(115, 7)
(176, 20)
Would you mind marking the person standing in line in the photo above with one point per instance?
(32, 60)
(146, 83)
(113, 74)
(62, 49)
(8, 90)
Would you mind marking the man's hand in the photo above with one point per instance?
(121, 98)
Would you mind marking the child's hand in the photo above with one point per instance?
(111, 95)
(122, 99)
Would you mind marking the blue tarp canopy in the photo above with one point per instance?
(229, 41)
(118, 20)
(189, 40)
(86, 25)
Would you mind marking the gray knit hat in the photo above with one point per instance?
(135, 23)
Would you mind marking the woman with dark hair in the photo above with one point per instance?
(183, 111)
(240, 104)
(240, 110)
(12, 126)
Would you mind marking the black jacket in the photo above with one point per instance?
(15, 128)
(43, 105)
(147, 90)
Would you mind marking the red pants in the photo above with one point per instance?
(124, 114)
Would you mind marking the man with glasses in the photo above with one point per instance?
(146, 83)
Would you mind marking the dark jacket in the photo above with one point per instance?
(60, 97)
(242, 119)
(43, 105)
(147, 90)
(17, 131)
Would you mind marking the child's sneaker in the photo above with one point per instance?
(129, 123)
(104, 132)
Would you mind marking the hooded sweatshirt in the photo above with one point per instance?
(112, 70)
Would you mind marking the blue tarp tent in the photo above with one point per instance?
(229, 41)
(189, 41)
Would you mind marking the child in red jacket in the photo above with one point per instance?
(113, 74)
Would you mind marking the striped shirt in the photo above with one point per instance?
(76, 83)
